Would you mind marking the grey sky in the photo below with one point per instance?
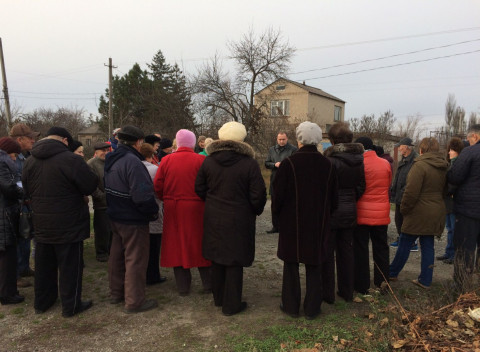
(55, 51)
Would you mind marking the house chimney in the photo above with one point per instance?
(303, 82)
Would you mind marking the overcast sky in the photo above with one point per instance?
(55, 50)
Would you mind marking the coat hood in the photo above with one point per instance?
(46, 148)
(435, 159)
(350, 153)
(229, 152)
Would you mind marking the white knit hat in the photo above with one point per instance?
(233, 131)
(309, 133)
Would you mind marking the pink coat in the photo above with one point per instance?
(183, 210)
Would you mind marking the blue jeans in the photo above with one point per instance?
(403, 252)
(23, 255)
(450, 224)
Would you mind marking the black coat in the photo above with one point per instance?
(347, 158)
(56, 180)
(400, 180)
(304, 196)
(465, 173)
(232, 186)
(276, 154)
(10, 196)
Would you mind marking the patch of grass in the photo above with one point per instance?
(18, 310)
(2, 315)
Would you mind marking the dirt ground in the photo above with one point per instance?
(190, 323)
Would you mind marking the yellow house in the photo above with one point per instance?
(299, 102)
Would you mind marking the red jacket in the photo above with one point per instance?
(373, 208)
(182, 209)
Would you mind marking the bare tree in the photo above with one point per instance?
(411, 127)
(15, 111)
(260, 59)
(473, 119)
(454, 117)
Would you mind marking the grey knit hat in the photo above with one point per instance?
(309, 133)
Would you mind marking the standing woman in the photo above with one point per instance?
(182, 214)
(454, 148)
(156, 226)
(10, 197)
(231, 183)
(423, 210)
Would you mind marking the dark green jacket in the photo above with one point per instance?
(400, 180)
(422, 206)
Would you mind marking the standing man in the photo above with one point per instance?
(56, 180)
(25, 137)
(465, 173)
(308, 196)
(131, 206)
(405, 147)
(101, 222)
(276, 154)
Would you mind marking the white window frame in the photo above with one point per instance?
(280, 108)
(337, 113)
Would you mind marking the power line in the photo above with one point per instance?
(389, 66)
(391, 38)
(53, 93)
(386, 57)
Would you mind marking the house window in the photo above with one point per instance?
(280, 87)
(88, 142)
(337, 114)
(280, 108)
(328, 126)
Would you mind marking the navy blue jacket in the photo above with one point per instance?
(465, 173)
(129, 188)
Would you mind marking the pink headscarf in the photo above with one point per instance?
(186, 138)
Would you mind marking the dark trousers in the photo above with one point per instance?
(127, 264)
(340, 246)
(23, 255)
(183, 278)
(291, 291)
(227, 287)
(58, 266)
(103, 232)
(153, 268)
(361, 236)
(8, 272)
(466, 240)
(398, 219)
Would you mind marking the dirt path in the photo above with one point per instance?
(189, 323)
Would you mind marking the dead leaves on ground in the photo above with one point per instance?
(450, 328)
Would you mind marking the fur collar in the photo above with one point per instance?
(350, 148)
(237, 147)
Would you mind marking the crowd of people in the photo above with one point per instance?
(193, 202)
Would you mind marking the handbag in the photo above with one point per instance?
(25, 223)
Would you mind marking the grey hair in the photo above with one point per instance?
(474, 129)
(129, 143)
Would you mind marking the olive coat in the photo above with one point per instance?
(232, 186)
(423, 207)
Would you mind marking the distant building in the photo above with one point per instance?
(90, 135)
(298, 102)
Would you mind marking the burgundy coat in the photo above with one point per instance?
(183, 210)
(304, 196)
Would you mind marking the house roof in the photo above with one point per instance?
(309, 89)
(93, 129)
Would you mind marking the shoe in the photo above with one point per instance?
(414, 248)
(162, 279)
(116, 300)
(419, 284)
(394, 244)
(442, 257)
(21, 282)
(102, 258)
(329, 300)
(291, 315)
(159, 281)
(27, 273)
(147, 305)
(243, 306)
(448, 261)
(312, 317)
(273, 230)
(12, 299)
(84, 305)
(392, 279)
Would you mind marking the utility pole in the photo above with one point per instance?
(110, 96)
(5, 89)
